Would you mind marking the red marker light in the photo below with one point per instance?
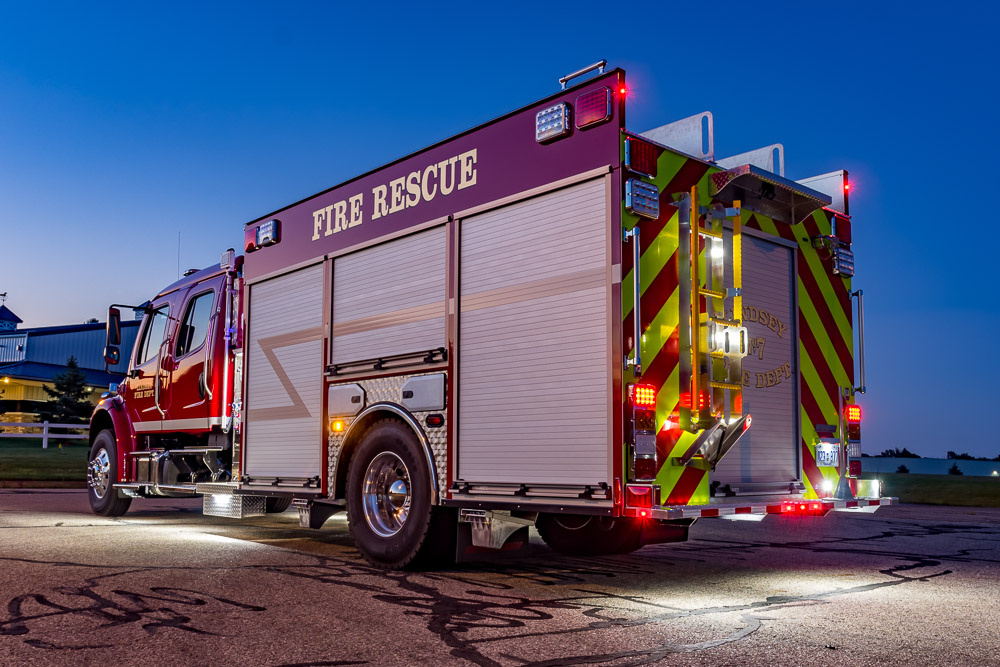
(847, 186)
(853, 414)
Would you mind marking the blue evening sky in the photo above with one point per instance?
(123, 125)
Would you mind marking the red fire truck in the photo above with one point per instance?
(547, 320)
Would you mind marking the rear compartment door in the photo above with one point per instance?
(534, 335)
(283, 398)
(769, 451)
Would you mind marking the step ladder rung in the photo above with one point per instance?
(716, 294)
(728, 323)
(724, 385)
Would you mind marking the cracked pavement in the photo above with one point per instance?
(910, 584)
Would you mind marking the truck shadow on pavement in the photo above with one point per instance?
(487, 614)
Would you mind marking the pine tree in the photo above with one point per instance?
(954, 469)
(68, 402)
(902, 469)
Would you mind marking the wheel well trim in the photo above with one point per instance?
(398, 411)
(120, 427)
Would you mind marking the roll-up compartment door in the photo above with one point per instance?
(284, 408)
(768, 452)
(390, 298)
(534, 371)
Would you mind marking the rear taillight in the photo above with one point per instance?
(643, 451)
(642, 499)
(645, 468)
(644, 396)
(852, 415)
(854, 468)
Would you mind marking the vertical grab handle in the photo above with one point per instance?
(209, 353)
(636, 361)
(156, 383)
(861, 338)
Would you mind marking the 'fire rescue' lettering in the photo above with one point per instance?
(441, 178)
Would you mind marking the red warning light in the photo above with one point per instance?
(644, 396)
(593, 108)
(847, 186)
(853, 414)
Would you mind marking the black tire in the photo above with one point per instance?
(578, 535)
(393, 530)
(277, 505)
(102, 473)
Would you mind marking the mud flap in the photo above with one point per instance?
(663, 532)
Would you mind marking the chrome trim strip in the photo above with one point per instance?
(176, 424)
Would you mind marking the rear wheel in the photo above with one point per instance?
(276, 505)
(578, 535)
(389, 498)
(102, 473)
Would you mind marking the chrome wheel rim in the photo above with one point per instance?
(386, 494)
(99, 473)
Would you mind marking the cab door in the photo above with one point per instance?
(143, 388)
(195, 359)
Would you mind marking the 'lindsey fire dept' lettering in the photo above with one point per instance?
(440, 178)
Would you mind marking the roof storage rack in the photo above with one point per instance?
(767, 193)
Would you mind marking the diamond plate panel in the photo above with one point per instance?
(389, 390)
(232, 506)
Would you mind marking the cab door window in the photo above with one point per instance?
(152, 336)
(194, 328)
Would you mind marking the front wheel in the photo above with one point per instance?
(389, 498)
(102, 473)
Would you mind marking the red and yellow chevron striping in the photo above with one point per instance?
(824, 319)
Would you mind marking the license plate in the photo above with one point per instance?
(827, 455)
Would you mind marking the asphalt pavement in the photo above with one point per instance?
(912, 585)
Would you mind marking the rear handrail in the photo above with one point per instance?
(600, 65)
(861, 338)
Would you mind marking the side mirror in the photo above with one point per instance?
(113, 334)
(111, 355)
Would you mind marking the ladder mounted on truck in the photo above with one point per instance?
(714, 333)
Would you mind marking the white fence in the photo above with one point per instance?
(45, 435)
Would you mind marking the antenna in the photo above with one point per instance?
(3, 298)
(178, 255)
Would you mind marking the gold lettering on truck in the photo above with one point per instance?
(420, 185)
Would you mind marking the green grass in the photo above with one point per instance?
(959, 490)
(24, 459)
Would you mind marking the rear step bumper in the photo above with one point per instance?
(791, 506)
